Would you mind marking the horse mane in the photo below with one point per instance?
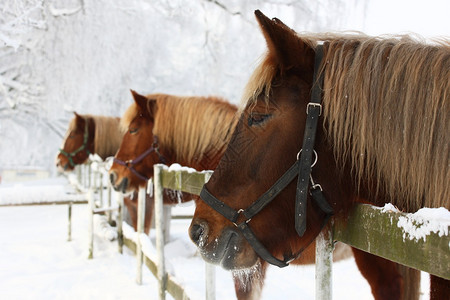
(385, 112)
(108, 135)
(194, 127)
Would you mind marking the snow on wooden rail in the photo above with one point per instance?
(390, 234)
(382, 232)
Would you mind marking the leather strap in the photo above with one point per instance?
(313, 111)
(130, 163)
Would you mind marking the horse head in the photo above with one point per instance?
(139, 150)
(77, 144)
(265, 143)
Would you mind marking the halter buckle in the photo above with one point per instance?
(313, 104)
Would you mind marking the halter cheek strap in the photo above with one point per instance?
(313, 111)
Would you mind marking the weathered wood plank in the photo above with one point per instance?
(371, 230)
(189, 182)
(65, 202)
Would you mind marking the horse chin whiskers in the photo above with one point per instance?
(248, 276)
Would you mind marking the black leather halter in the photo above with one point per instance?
(301, 168)
(132, 162)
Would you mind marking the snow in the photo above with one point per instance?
(422, 223)
(178, 168)
(36, 261)
(425, 221)
(38, 192)
(389, 207)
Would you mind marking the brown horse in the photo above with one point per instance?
(382, 137)
(88, 134)
(101, 135)
(140, 149)
(194, 132)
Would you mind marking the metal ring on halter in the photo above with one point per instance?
(315, 159)
(246, 221)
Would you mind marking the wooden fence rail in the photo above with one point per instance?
(368, 228)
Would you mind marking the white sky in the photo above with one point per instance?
(425, 17)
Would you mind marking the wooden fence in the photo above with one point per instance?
(367, 228)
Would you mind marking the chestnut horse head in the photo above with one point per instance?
(88, 134)
(380, 137)
(159, 128)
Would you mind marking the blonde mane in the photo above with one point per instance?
(108, 136)
(193, 127)
(386, 106)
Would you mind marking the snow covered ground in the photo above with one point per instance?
(37, 261)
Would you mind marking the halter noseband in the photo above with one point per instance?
(84, 146)
(131, 163)
(301, 168)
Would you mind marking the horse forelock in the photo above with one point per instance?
(383, 93)
(194, 127)
(260, 82)
(129, 115)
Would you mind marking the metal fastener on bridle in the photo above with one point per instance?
(315, 159)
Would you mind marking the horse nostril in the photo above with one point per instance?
(124, 185)
(112, 178)
(196, 232)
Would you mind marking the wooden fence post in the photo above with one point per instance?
(167, 216)
(158, 193)
(69, 225)
(210, 269)
(108, 191)
(120, 221)
(91, 207)
(324, 263)
(140, 230)
(100, 187)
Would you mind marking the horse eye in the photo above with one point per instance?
(258, 119)
(134, 130)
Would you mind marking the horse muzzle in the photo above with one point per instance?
(119, 185)
(229, 250)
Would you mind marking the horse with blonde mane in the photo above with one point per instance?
(354, 119)
(194, 132)
(101, 135)
(88, 134)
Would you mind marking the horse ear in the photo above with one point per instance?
(146, 106)
(79, 120)
(285, 47)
